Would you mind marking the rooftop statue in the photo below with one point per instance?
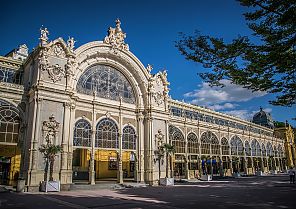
(43, 36)
(116, 37)
(71, 43)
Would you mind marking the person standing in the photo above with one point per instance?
(291, 175)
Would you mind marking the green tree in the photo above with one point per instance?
(169, 152)
(49, 152)
(268, 64)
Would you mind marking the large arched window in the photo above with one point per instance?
(192, 143)
(129, 138)
(9, 122)
(269, 149)
(106, 82)
(247, 148)
(224, 146)
(237, 147)
(255, 148)
(275, 151)
(82, 133)
(263, 150)
(106, 134)
(281, 153)
(209, 143)
(177, 139)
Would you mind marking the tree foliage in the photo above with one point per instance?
(267, 64)
(49, 152)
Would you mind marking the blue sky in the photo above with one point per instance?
(151, 27)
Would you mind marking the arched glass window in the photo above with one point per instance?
(275, 151)
(82, 133)
(192, 143)
(269, 149)
(256, 150)
(247, 148)
(106, 82)
(177, 139)
(224, 146)
(263, 150)
(9, 122)
(209, 143)
(215, 146)
(129, 138)
(106, 134)
(237, 147)
(281, 153)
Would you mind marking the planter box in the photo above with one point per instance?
(167, 181)
(273, 172)
(206, 177)
(50, 186)
(236, 175)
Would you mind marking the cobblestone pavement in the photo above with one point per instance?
(247, 192)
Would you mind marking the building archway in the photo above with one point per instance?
(10, 157)
(81, 150)
(178, 141)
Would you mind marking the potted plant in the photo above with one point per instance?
(168, 150)
(49, 152)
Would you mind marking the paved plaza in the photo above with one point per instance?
(246, 192)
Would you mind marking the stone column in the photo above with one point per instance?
(140, 149)
(92, 150)
(70, 142)
(119, 158)
(35, 136)
(65, 140)
(120, 171)
(186, 154)
(262, 164)
(246, 164)
(252, 164)
(199, 151)
(230, 166)
(220, 156)
(149, 155)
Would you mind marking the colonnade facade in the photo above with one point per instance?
(110, 114)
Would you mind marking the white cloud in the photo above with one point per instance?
(207, 95)
(223, 106)
(245, 114)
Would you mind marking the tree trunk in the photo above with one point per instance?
(167, 166)
(46, 170)
(51, 169)
(159, 170)
(171, 166)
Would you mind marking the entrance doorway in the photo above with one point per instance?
(80, 164)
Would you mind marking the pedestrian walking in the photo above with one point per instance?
(292, 175)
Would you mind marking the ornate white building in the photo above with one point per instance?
(110, 115)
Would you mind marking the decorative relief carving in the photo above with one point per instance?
(158, 97)
(158, 87)
(163, 76)
(70, 66)
(55, 72)
(43, 59)
(57, 50)
(149, 68)
(116, 37)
